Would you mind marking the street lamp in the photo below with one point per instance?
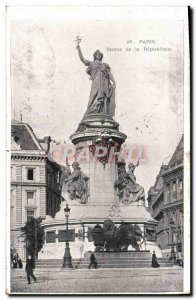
(67, 261)
(178, 232)
(175, 230)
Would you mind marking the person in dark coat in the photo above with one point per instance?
(14, 261)
(20, 265)
(93, 261)
(30, 266)
(173, 255)
(154, 261)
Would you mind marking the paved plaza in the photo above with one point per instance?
(105, 281)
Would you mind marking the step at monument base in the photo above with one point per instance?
(128, 259)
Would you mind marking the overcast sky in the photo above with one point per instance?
(50, 87)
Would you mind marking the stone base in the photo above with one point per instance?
(84, 216)
(57, 250)
(96, 213)
(122, 254)
(92, 126)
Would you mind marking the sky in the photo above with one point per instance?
(50, 87)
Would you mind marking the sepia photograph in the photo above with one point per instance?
(98, 127)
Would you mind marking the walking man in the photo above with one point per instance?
(30, 266)
(93, 261)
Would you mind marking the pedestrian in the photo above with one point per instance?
(180, 259)
(14, 261)
(154, 261)
(173, 255)
(30, 266)
(20, 265)
(93, 261)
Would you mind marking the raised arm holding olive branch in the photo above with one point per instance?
(102, 94)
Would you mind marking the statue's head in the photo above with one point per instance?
(131, 166)
(98, 55)
(75, 165)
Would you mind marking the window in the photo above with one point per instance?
(48, 177)
(181, 215)
(47, 204)
(174, 190)
(30, 214)
(181, 218)
(168, 237)
(58, 178)
(172, 237)
(30, 174)
(53, 180)
(11, 208)
(11, 196)
(51, 204)
(166, 219)
(30, 198)
(11, 217)
(174, 216)
(168, 194)
(181, 187)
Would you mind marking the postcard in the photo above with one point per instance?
(98, 103)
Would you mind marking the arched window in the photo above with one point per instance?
(30, 214)
(174, 187)
(168, 193)
(181, 187)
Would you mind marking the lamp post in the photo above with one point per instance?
(172, 228)
(178, 232)
(67, 261)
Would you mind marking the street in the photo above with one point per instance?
(105, 281)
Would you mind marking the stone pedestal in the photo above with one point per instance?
(83, 217)
(95, 126)
(103, 203)
(116, 255)
(101, 183)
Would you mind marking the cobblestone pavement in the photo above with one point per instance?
(162, 280)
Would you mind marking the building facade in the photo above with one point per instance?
(165, 201)
(34, 181)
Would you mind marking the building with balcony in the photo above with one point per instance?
(165, 201)
(34, 181)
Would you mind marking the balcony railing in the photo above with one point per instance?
(175, 165)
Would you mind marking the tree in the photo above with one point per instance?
(33, 236)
